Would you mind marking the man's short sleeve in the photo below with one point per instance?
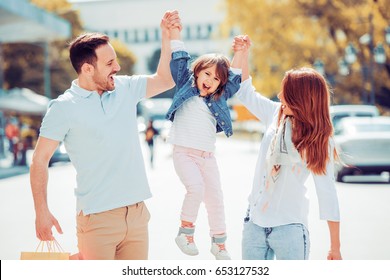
(136, 84)
(55, 125)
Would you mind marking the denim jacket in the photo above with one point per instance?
(184, 79)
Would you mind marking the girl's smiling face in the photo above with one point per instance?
(207, 81)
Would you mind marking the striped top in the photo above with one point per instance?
(194, 126)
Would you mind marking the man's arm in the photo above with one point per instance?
(39, 175)
(162, 79)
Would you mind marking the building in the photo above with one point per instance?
(137, 24)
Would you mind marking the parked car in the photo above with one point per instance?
(363, 144)
(337, 112)
(60, 155)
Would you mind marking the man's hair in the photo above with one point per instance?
(83, 49)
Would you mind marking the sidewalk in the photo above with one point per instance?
(8, 170)
(236, 159)
(168, 192)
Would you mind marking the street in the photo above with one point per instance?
(365, 209)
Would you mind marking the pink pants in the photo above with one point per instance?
(198, 171)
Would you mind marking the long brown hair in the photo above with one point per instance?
(222, 69)
(307, 94)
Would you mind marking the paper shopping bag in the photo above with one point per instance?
(52, 251)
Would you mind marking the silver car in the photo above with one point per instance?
(338, 112)
(363, 145)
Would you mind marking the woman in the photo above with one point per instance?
(297, 142)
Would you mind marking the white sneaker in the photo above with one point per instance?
(185, 241)
(218, 247)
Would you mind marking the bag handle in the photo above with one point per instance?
(52, 246)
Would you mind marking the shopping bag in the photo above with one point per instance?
(46, 250)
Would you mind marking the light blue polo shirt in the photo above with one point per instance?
(101, 137)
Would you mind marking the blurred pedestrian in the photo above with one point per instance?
(96, 119)
(297, 142)
(27, 134)
(12, 132)
(150, 134)
(198, 111)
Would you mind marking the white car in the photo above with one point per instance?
(363, 144)
(337, 112)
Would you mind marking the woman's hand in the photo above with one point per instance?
(334, 255)
(241, 43)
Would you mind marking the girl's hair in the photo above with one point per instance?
(83, 49)
(307, 94)
(222, 69)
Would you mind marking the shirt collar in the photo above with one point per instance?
(80, 91)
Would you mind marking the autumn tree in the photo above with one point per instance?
(24, 63)
(294, 33)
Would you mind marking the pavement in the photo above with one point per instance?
(365, 231)
(7, 169)
(6, 172)
(361, 204)
(18, 217)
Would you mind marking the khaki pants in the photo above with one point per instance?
(118, 234)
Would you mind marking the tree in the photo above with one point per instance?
(294, 33)
(23, 66)
(126, 58)
(153, 61)
(152, 67)
(28, 59)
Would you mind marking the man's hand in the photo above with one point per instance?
(39, 176)
(44, 224)
(170, 21)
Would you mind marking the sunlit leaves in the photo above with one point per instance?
(293, 33)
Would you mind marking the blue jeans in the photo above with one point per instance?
(287, 242)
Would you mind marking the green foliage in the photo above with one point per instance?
(24, 63)
(152, 67)
(126, 58)
(153, 61)
(294, 33)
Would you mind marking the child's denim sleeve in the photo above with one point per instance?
(179, 67)
(232, 85)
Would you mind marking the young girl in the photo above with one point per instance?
(298, 141)
(198, 111)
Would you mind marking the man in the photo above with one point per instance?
(96, 119)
